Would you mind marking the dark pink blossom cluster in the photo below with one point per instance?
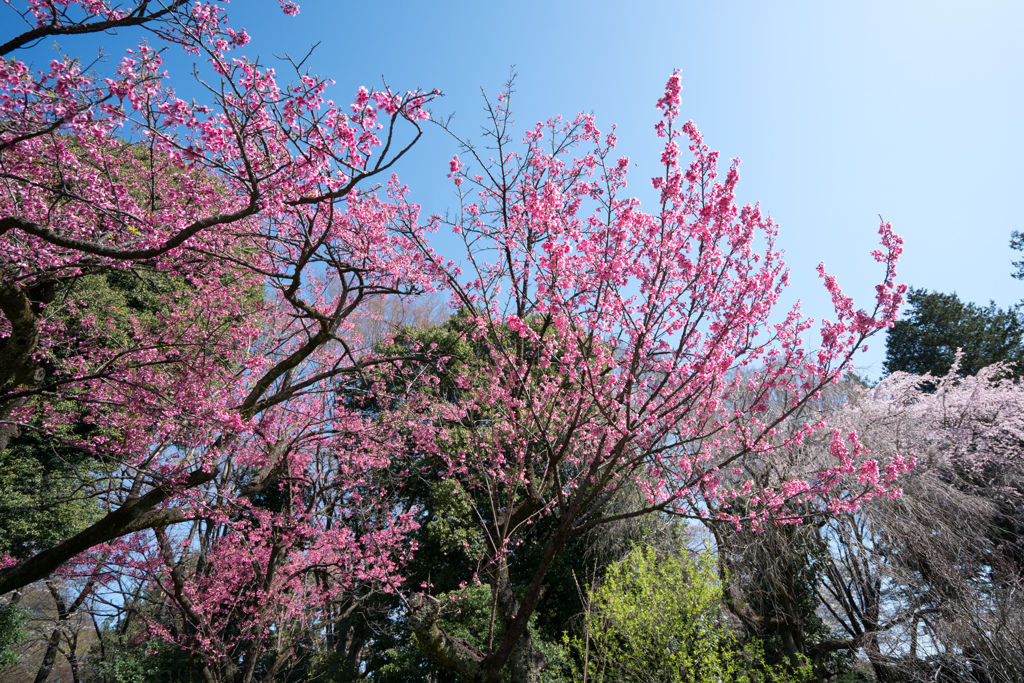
(642, 347)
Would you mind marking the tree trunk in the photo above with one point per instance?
(50, 656)
(526, 663)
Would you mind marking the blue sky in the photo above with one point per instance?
(839, 111)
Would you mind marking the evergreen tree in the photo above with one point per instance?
(1017, 243)
(935, 325)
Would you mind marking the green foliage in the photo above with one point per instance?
(12, 632)
(451, 527)
(38, 502)
(42, 499)
(660, 618)
(585, 560)
(129, 660)
(1017, 243)
(467, 615)
(43, 477)
(934, 325)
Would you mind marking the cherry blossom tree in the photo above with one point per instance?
(259, 223)
(618, 346)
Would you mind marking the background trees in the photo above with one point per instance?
(935, 325)
(910, 570)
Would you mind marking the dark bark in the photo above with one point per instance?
(137, 17)
(64, 613)
(525, 663)
(50, 656)
(515, 651)
(454, 654)
(18, 368)
(24, 337)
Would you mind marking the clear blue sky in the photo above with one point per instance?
(839, 111)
